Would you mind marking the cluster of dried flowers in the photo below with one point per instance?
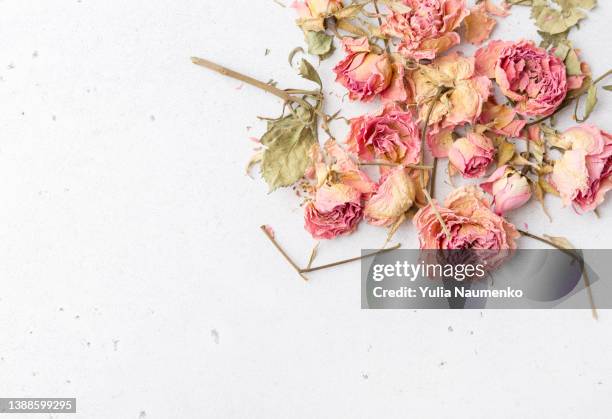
(471, 110)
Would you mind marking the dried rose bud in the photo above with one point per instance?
(509, 188)
(472, 155)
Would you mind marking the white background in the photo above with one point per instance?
(133, 272)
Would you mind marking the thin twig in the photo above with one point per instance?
(437, 213)
(249, 80)
(380, 24)
(432, 180)
(409, 166)
(282, 252)
(441, 91)
(577, 257)
(342, 262)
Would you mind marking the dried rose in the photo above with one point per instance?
(530, 76)
(464, 93)
(427, 28)
(364, 73)
(470, 222)
(584, 174)
(509, 188)
(472, 155)
(391, 135)
(335, 211)
(395, 195)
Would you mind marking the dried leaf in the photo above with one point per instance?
(572, 64)
(547, 187)
(537, 148)
(555, 21)
(349, 12)
(591, 101)
(608, 88)
(538, 192)
(319, 43)
(562, 242)
(288, 141)
(308, 72)
(572, 4)
(505, 153)
(255, 159)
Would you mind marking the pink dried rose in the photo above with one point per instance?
(502, 119)
(391, 135)
(472, 155)
(394, 196)
(470, 222)
(509, 188)
(364, 73)
(336, 210)
(530, 76)
(426, 27)
(583, 175)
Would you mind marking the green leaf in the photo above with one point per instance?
(572, 64)
(608, 88)
(554, 21)
(308, 72)
(319, 43)
(591, 101)
(288, 142)
(572, 4)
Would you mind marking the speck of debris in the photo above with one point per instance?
(450, 328)
(35, 54)
(11, 66)
(364, 376)
(77, 317)
(215, 336)
(68, 382)
(471, 332)
(267, 52)
(34, 373)
(115, 344)
(152, 117)
(143, 415)
(599, 382)
(61, 309)
(54, 118)
(443, 363)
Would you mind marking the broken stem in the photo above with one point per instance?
(342, 262)
(282, 252)
(249, 80)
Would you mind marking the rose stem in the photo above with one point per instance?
(438, 216)
(342, 262)
(424, 131)
(432, 180)
(566, 104)
(410, 166)
(575, 256)
(249, 80)
(282, 252)
(380, 24)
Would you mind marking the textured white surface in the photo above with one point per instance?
(135, 278)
